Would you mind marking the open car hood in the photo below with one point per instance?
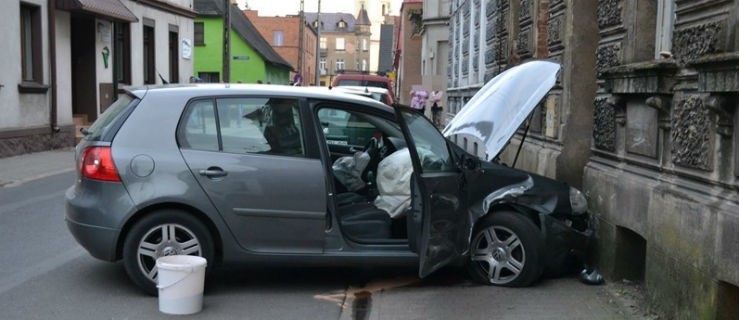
(500, 107)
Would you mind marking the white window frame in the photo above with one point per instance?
(340, 64)
(340, 44)
(278, 38)
(322, 66)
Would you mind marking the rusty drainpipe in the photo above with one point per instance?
(52, 65)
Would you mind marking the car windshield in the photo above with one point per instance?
(105, 122)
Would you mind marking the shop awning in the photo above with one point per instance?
(110, 9)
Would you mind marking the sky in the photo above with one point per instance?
(285, 7)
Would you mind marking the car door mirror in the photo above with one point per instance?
(471, 163)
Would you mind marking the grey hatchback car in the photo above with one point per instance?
(307, 176)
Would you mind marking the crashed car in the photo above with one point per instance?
(308, 176)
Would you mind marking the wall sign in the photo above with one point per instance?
(186, 49)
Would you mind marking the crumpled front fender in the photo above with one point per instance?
(508, 192)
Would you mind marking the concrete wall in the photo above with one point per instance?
(63, 68)
(25, 124)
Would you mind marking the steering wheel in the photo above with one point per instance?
(374, 149)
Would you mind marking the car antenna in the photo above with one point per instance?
(523, 139)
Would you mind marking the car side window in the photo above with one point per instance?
(343, 128)
(199, 130)
(245, 125)
(431, 146)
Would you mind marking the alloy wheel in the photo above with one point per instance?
(500, 253)
(165, 240)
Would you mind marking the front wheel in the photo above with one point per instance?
(163, 233)
(506, 250)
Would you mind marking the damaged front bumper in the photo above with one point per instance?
(570, 242)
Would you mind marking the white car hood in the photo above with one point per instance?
(500, 107)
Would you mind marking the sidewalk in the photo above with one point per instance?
(26, 167)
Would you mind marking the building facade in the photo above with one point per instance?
(643, 118)
(344, 43)
(435, 47)
(408, 52)
(284, 34)
(388, 46)
(376, 12)
(65, 64)
(664, 171)
(251, 58)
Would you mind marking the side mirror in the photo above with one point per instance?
(470, 163)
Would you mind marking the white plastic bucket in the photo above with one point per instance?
(180, 281)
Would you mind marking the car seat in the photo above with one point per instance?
(281, 133)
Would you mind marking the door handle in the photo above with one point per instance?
(213, 172)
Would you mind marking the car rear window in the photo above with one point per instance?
(107, 124)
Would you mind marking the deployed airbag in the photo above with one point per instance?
(348, 170)
(393, 183)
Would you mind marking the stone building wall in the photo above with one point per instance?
(643, 118)
(663, 176)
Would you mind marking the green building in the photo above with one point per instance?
(252, 57)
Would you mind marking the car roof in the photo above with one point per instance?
(194, 90)
(360, 76)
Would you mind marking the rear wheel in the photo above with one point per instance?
(163, 233)
(506, 250)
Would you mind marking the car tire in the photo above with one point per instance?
(506, 250)
(162, 233)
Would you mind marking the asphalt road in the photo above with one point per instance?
(44, 274)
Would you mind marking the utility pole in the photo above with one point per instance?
(226, 41)
(301, 43)
(318, 44)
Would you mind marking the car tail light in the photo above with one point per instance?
(97, 163)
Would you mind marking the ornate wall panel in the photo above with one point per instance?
(604, 129)
(554, 30)
(525, 10)
(608, 55)
(693, 42)
(609, 13)
(524, 45)
(692, 129)
(641, 129)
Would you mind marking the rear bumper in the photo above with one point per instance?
(95, 215)
(98, 241)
